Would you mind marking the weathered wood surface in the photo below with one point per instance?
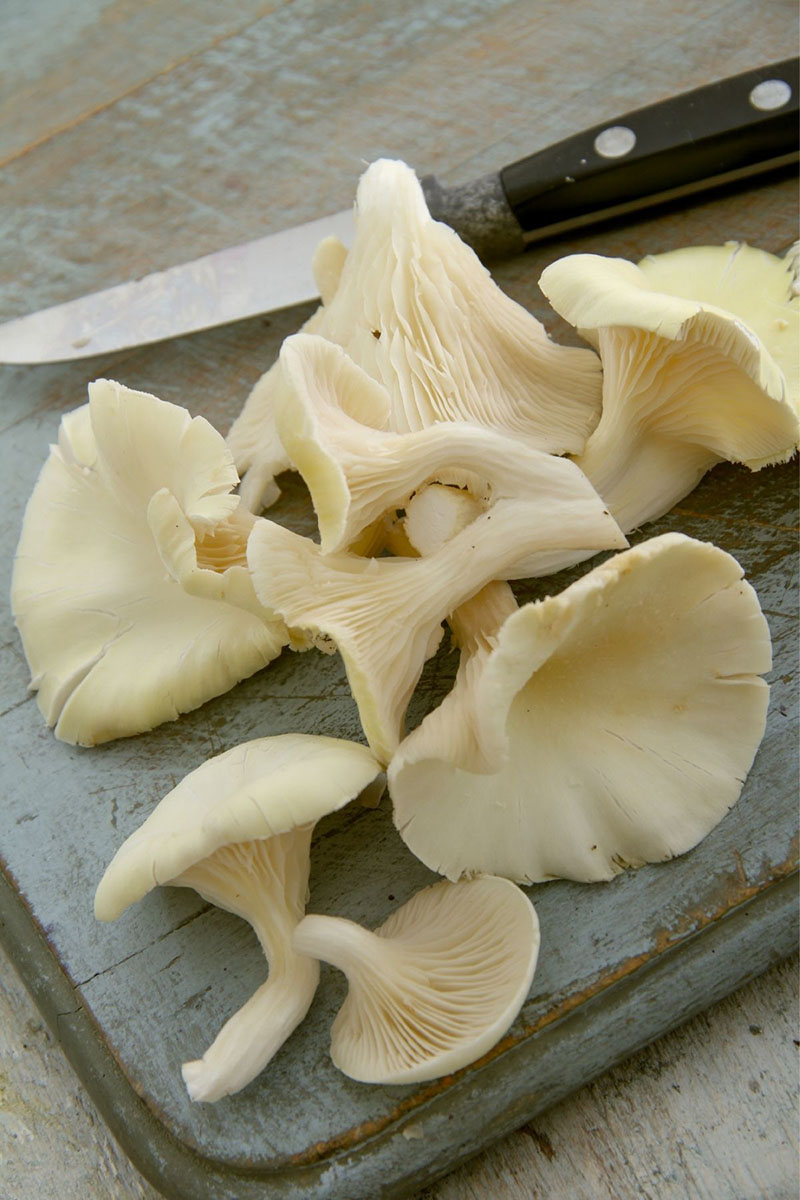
(215, 130)
(709, 1111)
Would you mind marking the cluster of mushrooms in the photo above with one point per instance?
(449, 447)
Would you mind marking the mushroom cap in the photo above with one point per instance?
(124, 622)
(623, 716)
(385, 614)
(757, 287)
(253, 439)
(257, 790)
(327, 264)
(737, 404)
(332, 421)
(325, 415)
(434, 987)
(451, 345)
(416, 309)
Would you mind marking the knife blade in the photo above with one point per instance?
(714, 135)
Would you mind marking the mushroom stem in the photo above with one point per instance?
(265, 882)
(434, 515)
(340, 942)
(251, 1037)
(641, 479)
(475, 622)
(641, 457)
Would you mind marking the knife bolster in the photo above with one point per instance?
(479, 213)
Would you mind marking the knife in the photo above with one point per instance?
(717, 134)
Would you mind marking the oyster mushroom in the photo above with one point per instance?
(436, 514)
(757, 287)
(258, 449)
(327, 265)
(329, 421)
(433, 517)
(418, 312)
(686, 383)
(238, 830)
(608, 726)
(385, 615)
(130, 587)
(436, 986)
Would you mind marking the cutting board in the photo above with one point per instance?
(620, 962)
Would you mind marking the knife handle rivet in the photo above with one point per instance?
(770, 93)
(615, 141)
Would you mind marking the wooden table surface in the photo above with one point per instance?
(134, 136)
(708, 1112)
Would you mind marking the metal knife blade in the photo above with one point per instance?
(255, 277)
(716, 134)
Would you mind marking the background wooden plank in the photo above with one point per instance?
(273, 126)
(73, 58)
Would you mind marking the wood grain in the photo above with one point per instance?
(88, 55)
(273, 126)
(709, 1111)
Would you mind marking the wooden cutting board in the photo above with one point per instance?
(211, 150)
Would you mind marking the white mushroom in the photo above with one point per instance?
(385, 615)
(238, 830)
(418, 312)
(608, 726)
(686, 384)
(130, 588)
(436, 986)
(327, 265)
(758, 288)
(356, 472)
(436, 514)
(253, 438)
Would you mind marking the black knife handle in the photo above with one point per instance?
(724, 131)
